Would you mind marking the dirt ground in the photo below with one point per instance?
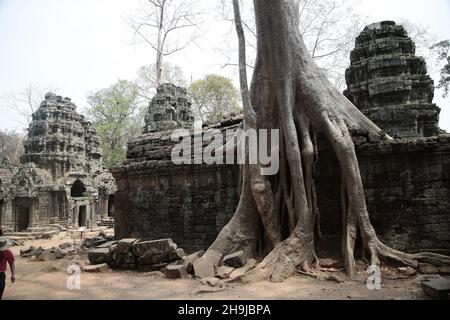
(47, 281)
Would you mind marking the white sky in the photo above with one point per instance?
(79, 46)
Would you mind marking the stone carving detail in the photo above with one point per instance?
(169, 109)
(390, 84)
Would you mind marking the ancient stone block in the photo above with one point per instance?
(98, 255)
(125, 245)
(437, 288)
(156, 247)
(175, 271)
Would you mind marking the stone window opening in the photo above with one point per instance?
(78, 189)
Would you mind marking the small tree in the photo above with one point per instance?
(167, 26)
(113, 113)
(442, 49)
(214, 98)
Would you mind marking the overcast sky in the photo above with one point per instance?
(78, 46)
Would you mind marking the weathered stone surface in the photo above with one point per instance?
(251, 263)
(45, 256)
(125, 245)
(59, 253)
(150, 259)
(97, 268)
(235, 260)
(106, 245)
(223, 272)
(437, 288)
(205, 267)
(188, 261)
(169, 109)
(427, 269)
(155, 247)
(390, 84)
(175, 271)
(98, 255)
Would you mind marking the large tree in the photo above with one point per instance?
(167, 26)
(114, 114)
(276, 215)
(442, 49)
(214, 98)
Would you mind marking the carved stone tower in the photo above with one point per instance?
(169, 109)
(390, 84)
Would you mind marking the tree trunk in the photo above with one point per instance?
(289, 92)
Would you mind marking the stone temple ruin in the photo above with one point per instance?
(406, 181)
(390, 84)
(170, 109)
(61, 180)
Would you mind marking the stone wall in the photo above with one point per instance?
(407, 184)
(407, 188)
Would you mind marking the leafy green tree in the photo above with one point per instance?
(214, 98)
(442, 49)
(114, 114)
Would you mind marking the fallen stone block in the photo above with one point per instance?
(205, 266)
(223, 272)
(235, 260)
(161, 258)
(99, 268)
(251, 263)
(154, 247)
(107, 245)
(125, 245)
(425, 268)
(45, 256)
(59, 253)
(437, 288)
(175, 271)
(189, 260)
(98, 256)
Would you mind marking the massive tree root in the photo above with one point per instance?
(277, 216)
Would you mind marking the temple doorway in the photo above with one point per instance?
(24, 219)
(82, 217)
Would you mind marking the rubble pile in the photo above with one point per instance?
(144, 256)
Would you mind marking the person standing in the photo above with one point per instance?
(6, 256)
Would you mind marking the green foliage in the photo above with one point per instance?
(214, 98)
(442, 49)
(114, 113)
